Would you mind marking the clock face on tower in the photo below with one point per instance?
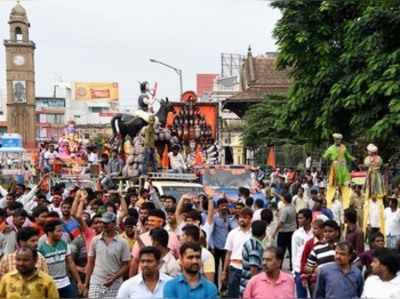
(19, 60)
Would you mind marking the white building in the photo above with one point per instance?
(93, 112)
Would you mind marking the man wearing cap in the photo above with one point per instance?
(339, 176)
(374, 188)
(108, 260)
(374, 182)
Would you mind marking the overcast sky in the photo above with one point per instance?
(112, 40)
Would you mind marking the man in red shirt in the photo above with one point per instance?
(318, 231)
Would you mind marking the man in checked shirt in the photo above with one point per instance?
(26, 237)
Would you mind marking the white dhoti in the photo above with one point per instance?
(144, 115)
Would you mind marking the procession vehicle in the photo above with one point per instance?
(163, 183)
(225, 181)
(175, 184)
(15, 166)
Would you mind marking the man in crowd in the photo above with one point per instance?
(273, 283)
(156, 219)
(299, 238)
(190, 284)
(392, 223)
(324, 253)
(150, 150)
(176, 160)
(168, 263)
(26, 237)
(300, 201)
(108, 261)
(340, 279)
(233, 260)
(150, 282)
(252, 253)
(308, 278)
(222, 223)
(385, 281)
(286, 225)
(59, 260)
(26, 281)
(191, 234)
(354, 234)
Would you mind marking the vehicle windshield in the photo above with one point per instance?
(178, 191)
(232, 178)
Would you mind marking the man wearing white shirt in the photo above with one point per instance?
(49, 158)
(150, 282)
(55, 205)
(176, 160)
(392, 223)
(233, 259)
(300, 201)
(308, 163)
(27, 199)
(374, 219)
(299, 238)
(385, 281)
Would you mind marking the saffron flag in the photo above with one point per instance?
(271, 157)
(165, 158)
(198, 158)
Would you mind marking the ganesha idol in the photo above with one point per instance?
(70, 145)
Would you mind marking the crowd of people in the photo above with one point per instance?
(302, 241)
(103, 244)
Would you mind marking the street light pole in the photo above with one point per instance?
(178, 71)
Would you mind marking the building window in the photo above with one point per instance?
(96, 109)
(59, 119)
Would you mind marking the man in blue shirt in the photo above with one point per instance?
(340, 279)
(190, 284)
(222, 224)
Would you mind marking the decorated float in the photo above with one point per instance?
(72, 156)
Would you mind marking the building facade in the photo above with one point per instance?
(50, 118)
(258, 78)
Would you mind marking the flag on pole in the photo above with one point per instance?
(165, 158)
(271, 157)
(198, 158)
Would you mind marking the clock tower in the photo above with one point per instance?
(21, 116)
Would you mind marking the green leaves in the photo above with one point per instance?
(344, 59)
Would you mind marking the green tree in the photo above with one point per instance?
(262, 126)
(344, 59)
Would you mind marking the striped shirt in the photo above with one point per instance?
(252, 255)
(321, 255)
(56, 255)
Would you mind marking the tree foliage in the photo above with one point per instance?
(344, 59)
(261, 123)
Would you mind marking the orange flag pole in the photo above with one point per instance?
(165, 159)
(271, 157)
(198, 159)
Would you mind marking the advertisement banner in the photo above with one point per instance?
(108, 91)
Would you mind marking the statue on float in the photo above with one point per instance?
(127, 124)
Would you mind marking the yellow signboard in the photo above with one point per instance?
(96, 91)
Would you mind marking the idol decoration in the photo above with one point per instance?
(192, 130)
(190, 126)
(70, 148)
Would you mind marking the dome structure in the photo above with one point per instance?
(18, 10)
